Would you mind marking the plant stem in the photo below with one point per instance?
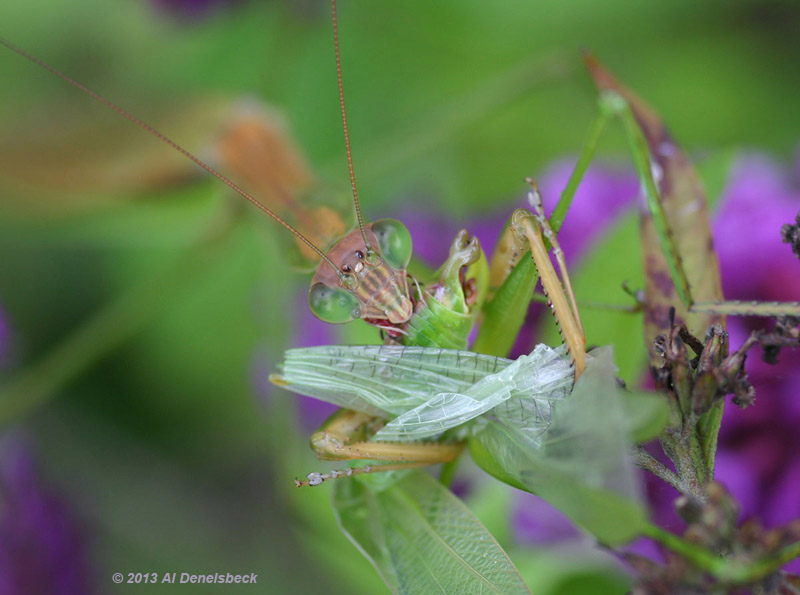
(727, 570)
(698, 556)
(564, 202)
(644, 460)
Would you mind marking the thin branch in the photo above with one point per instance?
(644, 460)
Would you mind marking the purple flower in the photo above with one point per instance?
(309, 332)
(536, 522)
(312, 332)
(758, 457)
(604, 194)
(42, 548)
(758, 199)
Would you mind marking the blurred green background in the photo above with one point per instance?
(143, 313)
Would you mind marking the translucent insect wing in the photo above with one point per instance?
(382, 380)
(580, 463)
(426, 390)
(524, 387)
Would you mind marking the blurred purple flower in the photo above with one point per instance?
(312, 332)
(759, 448)
(604, 194)
(42, 549)
(308, 332)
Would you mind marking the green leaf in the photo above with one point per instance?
(504, 315)
(646, 415)
(422, 539)
(578, 570)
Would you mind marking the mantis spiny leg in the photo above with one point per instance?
(558, 289)
(535, 200)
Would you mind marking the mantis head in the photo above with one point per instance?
(370, 281)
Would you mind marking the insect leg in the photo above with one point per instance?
(558, 289)
(344, 437)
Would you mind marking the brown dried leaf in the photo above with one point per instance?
(685, 206)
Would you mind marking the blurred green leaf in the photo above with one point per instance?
(422, 539)
(646, 415)
(573, 571)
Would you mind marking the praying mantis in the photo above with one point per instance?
(528, 231)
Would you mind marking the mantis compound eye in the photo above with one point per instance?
(332, 305)
(394, 240)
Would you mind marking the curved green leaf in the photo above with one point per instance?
(422, 539)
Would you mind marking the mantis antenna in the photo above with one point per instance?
(180, 149)
(370, 251)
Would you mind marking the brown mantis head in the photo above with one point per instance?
(371, 281)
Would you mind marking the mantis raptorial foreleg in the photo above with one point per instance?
(527, 233)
